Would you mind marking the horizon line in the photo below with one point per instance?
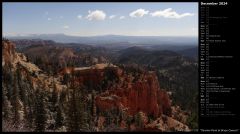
(32, 34)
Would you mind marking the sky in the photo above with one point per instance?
(91, 19)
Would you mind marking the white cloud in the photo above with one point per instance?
(96, 15)
(138, 13)
(112, 16)
(61, 17)
(49, 18)
(66, 27)
(79, 16)
(170, 13)
(122, 17)
(46, 13)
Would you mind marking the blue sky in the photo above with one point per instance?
(89, 19)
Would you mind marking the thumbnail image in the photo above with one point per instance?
(100, 67)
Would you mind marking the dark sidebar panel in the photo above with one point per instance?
(218, 68)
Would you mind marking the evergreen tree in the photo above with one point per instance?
(40, 112)
(129, 121)
(54, 97)
(30, 101)
(66, 78)
(6, 105)
(72, 118)
(59, 118)
(16, 102)
(21, 86)
(108, 117)
(139, 120)
(94, 108)
(76, 115)
(8, 77)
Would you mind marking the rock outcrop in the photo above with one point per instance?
(14, 60)
(92, 76)
(128, 93)
(8, 52)
(11, 57)
(144, 95)
(166, 124)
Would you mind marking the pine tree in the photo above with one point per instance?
(54, 96)
(16, 102)
(76, 110)
(59, 118)
(89, 112)
(30, 101)
(66, 78)
(94, 108)
(129, 121)
(62, 98)
(21, 86)
(6, 105)
(139, 120)
(108, 116)
(40, 112)
(72, 118)
(8, 77)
